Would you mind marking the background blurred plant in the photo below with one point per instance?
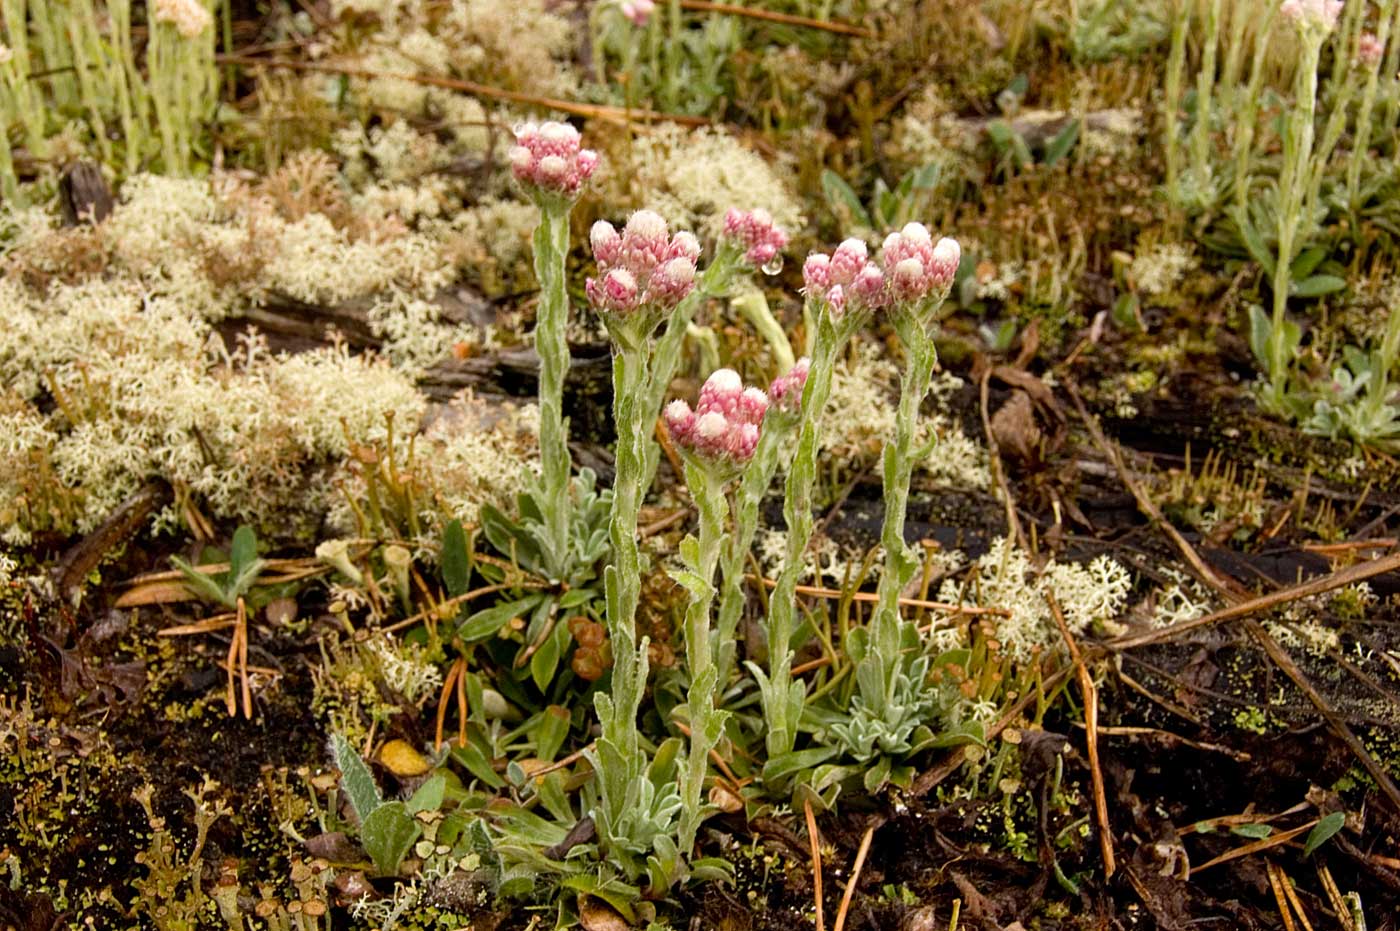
(69, 60)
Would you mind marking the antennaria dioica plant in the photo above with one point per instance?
(919, 274)
(550, 163)
(843, 290)
(75, 59)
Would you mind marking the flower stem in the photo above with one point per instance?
(706, 721)
(551, 248)
(899, 461)
(782, 697)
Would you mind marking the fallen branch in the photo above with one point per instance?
(589, 110)
(786, 19)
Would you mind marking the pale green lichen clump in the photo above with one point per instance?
(114, 375)
(691, 178)
(1091, 593)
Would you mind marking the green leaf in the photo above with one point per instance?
(1253, 243)
(203, 586)
(545, 663)
(430, 794)
(1307, 262)
(576, 596)
(550, 731)
(244, 551)
(843, 200)
(478, 765)
(355, 778)
(1318, 285)
(1322, 832)
(1064, 140)
(1252, 831)
(1009, 143)
(1260, 330)
(387, 835)
(795, 761)
(484, 624)
(456, 560)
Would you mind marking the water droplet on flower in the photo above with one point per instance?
(773, 265)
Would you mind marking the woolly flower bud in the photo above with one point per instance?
(1368, 49)
(671, 282)
(785, 393)
(917, 268)
(189, 17)
(754, 233)
(548, 159)
(816, 273)
(647, 225)
(724, 426)
(606, 243)
(753, 404)
(869, 286)
(847, 261)
(836, 300)
(684, 245)
(616, 292)
(1312, 13)
(680, 421)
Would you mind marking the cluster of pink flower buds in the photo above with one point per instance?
(638, 11)
(916, 267)
(547, 156)
(1369, 49)
(641, 266)
(725, 422)
(845, 276)
(785, 393)
(756, 235)
(1322, 13)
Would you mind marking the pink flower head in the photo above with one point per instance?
(1369, 49)
(615, 292)
(661, 266)
(846, 275)
(638, 11)
(726, 421)
(785, 393)
(917, 267)
(1318, 13)
(755, 234)
(548, 157)
(816, 273)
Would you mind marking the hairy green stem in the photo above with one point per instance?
(781, 696)
(706, 721)
(758, 476)
(1297, 153)
(1205, 82)
(900, 458)
(1171, 104)
(551, 323)
(622, 760)
(1361, 140)
(1245, 119)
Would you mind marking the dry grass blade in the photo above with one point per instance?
(1266, 843)
(1334, 896)
(1349, 576)
(855, 878)
(814, 839)
(1091, 729)
(871, 598)
(1276, 883)
(1013, 522)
